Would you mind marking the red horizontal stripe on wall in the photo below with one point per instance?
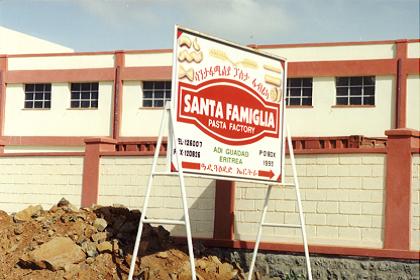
(413, 66)
(147, 73)
(375, 67)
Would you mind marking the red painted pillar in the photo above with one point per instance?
(3, 70)
(224, 209)
(118, 89)
(401, 110)
(398, 187)
(90, 185)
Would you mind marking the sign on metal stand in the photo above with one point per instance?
(226, 121)
(228, 110)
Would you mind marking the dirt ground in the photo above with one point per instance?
(95, 243)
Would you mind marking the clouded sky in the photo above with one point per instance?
(96, 25)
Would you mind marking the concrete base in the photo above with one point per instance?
(290, 266)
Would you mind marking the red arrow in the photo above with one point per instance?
(190, 165)
(268, 174)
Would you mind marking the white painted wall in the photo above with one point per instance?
(413, 50)
(342, 197)
(327, 53)
(138, 121)
(321, 120)
(331, 53)
(44, 180)
(413, 102)
(14, 42)
(123, 180)
(60, 120)
(326, 120)
(148, 59)
(61, 62)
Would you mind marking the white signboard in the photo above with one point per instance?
(228, 107)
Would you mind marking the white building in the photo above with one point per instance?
(14, 42)
(336, 89)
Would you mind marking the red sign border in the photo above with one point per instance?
(214, 135)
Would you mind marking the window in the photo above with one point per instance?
(84, 95)
(37, 96)
(355, 90)
(155, 94)
(299, 92)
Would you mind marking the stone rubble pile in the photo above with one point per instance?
(95, 243)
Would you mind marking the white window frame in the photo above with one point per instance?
(350, 97)
(301, 89)
(155, 96)
(86, 95)
(40, 96)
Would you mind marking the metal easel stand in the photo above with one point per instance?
(301, 217)
(143, 219)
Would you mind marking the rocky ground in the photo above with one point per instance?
(95, 243)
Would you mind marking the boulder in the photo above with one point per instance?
(63, 202)
(56, 254)
(99, 237)
(104, 247)
(89, 248)
(27, 213)
(100, 224)
(5, 220)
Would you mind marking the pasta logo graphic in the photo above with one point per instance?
(228, 111)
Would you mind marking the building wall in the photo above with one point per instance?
(137, 120)
(415, 197)
(60, 120)
(343, 199)
(149, 59)
(14, 42)
(304, 121)
(61, 62)
(343, 202)
(413, 50)
(331, 53)
(32, 180)
(123, 180)
(413, 101)
(413, 90)
(326, 119)
(322, 119)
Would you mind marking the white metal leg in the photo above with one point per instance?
(146, 198)
(299, 202)
(184, 200)
(301, 217)
(257, 241)
(143, 219)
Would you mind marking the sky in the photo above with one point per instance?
(103, 25)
